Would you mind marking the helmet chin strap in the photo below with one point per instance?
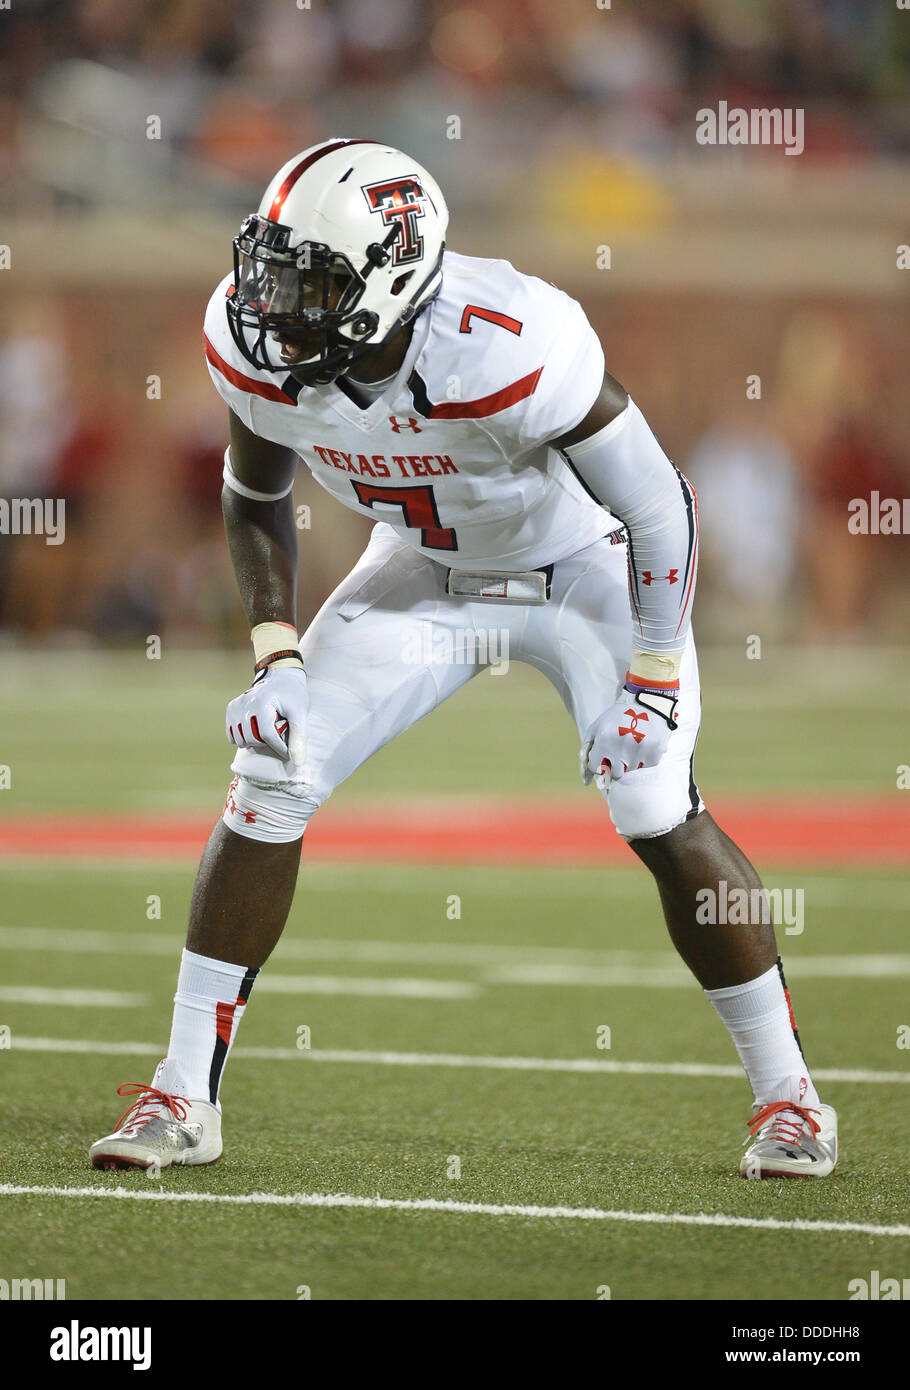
(382, 381)
(409, 316)
(322, 374)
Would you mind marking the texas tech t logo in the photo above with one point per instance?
(401, 202)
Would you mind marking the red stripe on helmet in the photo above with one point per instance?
(301, 168)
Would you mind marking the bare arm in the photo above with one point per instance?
(612, 400)
(262, 536)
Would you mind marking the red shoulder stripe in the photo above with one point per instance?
(246, 383)
(488, 405)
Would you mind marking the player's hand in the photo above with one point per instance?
(272, 714)
(632, 734)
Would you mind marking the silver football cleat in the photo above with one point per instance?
(162, 1128)
(788, 1140)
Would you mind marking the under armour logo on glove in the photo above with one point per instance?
(633, 729)
(642, 724)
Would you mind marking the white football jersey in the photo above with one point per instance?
(454, 453)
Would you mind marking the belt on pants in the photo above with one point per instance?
(512, 586)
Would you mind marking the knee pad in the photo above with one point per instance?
(653, 801)
(261, 811)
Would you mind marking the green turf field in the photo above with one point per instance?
(119, 732)
(442, 1045)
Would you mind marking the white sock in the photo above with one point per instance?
(210, 999)
(759, 1019)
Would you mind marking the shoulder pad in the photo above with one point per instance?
(500, 345)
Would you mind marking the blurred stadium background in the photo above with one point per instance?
(575, 132)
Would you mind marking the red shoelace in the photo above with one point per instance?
(788, 1130)
(148, 1096)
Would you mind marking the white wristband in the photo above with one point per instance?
(662, 667)
(273, 637)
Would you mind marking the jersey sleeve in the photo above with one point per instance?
(571, 377)
(230, 373)
(527, 364)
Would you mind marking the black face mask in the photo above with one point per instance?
(287, 307)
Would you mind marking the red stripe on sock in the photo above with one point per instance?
(224, 1018)
(224, 1021)
(790, 1008)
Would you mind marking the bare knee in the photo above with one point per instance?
(681, 848)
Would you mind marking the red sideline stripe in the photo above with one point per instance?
(301, 168)
(488, 405)
(837, 830)
(246, 383)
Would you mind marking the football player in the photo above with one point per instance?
(464, 407)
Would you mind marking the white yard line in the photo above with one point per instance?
(528, 965)
(91, 941)
(431, 880)
(374, 986)
(59, 939)
(420, 1204)
(597, 1065)
(84, 1048)
(74, 998)
(858, 890)
(673, 975)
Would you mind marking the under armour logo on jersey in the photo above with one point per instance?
(634, 718)
(409, 424)
(649, 578)
(401, 202)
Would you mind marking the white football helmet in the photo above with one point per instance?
(345, 248)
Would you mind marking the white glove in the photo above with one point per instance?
(632, 734)
(272, 713)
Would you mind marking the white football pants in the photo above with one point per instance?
(390, 645)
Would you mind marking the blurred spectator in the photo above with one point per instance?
(750, 517)
(850, 572)
(555, 130)
(85, 77)
(38, 423)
